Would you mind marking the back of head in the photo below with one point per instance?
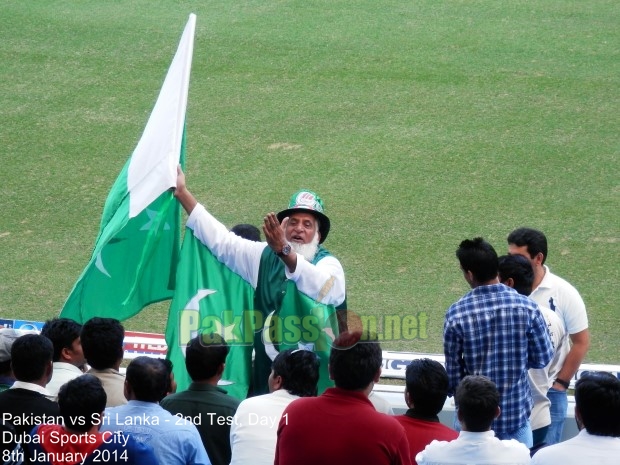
(247, 231)
(520, 270)
(31, 355)
(427, 385)
(534, 239)
(102, 342)
(597, 399)
(62, 332)
(81, 400)
(477, 400)
(355, 360)
(7, 337)
(479, 257)
(204, 355)
(171, 387)
(299, 370)
(148, 379)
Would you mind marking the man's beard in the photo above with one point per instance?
(308, 251)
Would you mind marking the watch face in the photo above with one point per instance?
(286, 249)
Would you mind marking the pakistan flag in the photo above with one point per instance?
(134, 260)
(210, 298)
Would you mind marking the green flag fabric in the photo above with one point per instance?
(304, 323)
(134, 260)
(211, 298)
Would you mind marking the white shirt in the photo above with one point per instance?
(541, 379)
(583, 449)
(30, 387)
(63, 373)
(475, 449)
(380, 403)
(561, 297)
(253, 433)
(243, 257)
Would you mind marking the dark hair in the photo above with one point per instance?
(477, 399)
(5, 367)
(102, 342)
(299, 370)
(30, 356)
(62, 332)
(354, 360)
(597, 397)
(534, 239)
(80, 401)
(169, 367)
(247, 231)
(427, 385)
(148, 378)
(204, 355)
(520, 270)
(479, 257)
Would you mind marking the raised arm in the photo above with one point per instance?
(240, 255)
(184, 196)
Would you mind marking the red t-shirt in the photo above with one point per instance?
(340, 427)
(421, 432)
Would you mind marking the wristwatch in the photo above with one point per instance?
(285, 250)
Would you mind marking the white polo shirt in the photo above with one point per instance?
(561, 297)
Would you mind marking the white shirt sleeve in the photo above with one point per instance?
(323, 282)
(240, 255)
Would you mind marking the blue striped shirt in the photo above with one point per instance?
(496, 332)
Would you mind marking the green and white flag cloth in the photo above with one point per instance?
(136, 252)
(209, 298)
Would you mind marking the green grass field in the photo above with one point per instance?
(420, 123)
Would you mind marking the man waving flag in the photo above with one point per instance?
(135, 255)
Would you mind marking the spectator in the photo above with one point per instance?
(78, 440)
(342, 426)
(516, 271)
(477, 402)
(175, 440)
(68, 355)
(426, 392)
(495, 332)
(205, 358)
(26, 404)
(172, 384)
(292, 253)
(597, 412)
(560, 296)
(102, 342)
(11, 452)
(253, 433)
(7, 338)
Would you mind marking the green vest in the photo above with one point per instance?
(271, 289)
